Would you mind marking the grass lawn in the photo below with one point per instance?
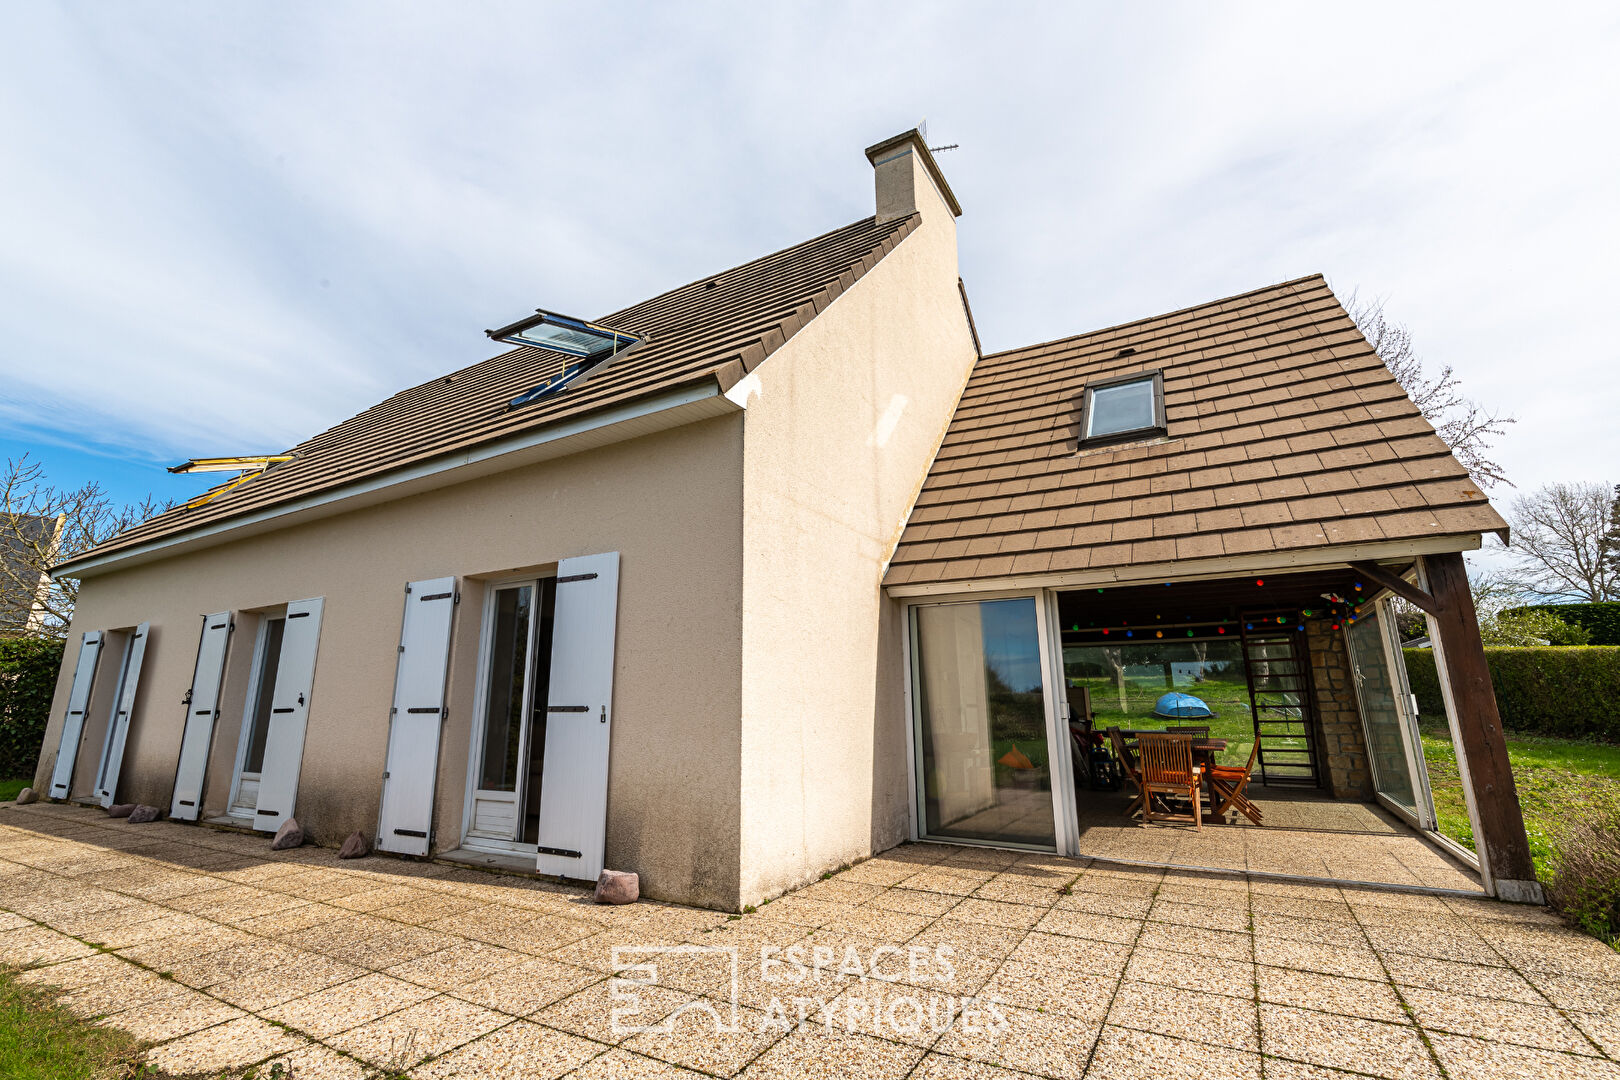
(1557, 780)
(41, 1041)
(10, 789)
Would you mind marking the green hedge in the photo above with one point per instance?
(28, 668)
(1569, 690)
(1602, 620)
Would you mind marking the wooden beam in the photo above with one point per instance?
(1501, 840)
(1397, 585)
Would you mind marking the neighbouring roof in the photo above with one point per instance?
(23, 575)
(714, 329)
(1286, 432)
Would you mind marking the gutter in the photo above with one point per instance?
(699, 400)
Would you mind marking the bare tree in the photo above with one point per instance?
(40, 526)
(1560, 542)
(1466, 426)
(1612, 537)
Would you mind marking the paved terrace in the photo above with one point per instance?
(225, 954)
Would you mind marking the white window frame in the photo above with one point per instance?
(250, 705)
(475, 742)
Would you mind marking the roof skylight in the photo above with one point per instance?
(561, 333)
(588, 344)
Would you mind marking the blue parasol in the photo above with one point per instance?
(1177, 706)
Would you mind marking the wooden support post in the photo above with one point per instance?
(1499, 835)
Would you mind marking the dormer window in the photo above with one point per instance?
(585, 344)
(1122, 409)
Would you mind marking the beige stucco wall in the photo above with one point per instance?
(669, 503)
(841, 425)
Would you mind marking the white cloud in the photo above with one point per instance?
(226, 227)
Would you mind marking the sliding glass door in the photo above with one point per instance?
(1389, 717)
(984, 768)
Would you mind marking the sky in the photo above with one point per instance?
(225, 227)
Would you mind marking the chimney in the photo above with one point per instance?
(908, 179)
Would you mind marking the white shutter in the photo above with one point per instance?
(202, 709)
(412, 765)
(579, 718)
(84, 677)
(289, 715)
(123, 711)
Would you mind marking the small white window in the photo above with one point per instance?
(1132, 406)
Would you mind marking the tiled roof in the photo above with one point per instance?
(1285, 432)
(716, 328)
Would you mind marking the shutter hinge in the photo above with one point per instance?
(391, 712)
(402, 648)
(407, 590)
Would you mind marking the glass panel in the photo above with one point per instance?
(537, 713)
(112, 714)
(1380, 714)
(982, 719)
(503, 709)
(1126, 407)
(1127, 680)
(263, 691)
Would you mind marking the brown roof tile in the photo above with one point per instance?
(694, 333)
(1285, 431)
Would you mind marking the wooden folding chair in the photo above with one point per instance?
(1167, 768)
(1227, 782)
(1200, 732)
(1127, 768)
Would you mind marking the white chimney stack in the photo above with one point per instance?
(908, 179)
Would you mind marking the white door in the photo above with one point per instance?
(289, 715)
(112, 761)
(579, 718)
(84, 677)
(412, 765)
(202, 709)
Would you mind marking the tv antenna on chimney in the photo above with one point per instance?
(922, 130)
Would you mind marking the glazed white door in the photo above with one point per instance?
(202, 709)
(84, 677)
(406, 818)
(289, 715)
(112, 759)
(579, 721)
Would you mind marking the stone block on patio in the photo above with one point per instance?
(142, 814)
(618, 887)
(290, 835)
(355, 847)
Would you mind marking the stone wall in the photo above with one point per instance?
(1341, 747)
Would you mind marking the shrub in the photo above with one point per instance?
(1584, 878)
(1573, 692)
(28, 668)
(1601, 621)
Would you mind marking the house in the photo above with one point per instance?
(28, 544)
(755, 578)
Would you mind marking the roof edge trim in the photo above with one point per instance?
(702, 398)
(1301, 559)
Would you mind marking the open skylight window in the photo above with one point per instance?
(587, 344)
(1129, 407)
